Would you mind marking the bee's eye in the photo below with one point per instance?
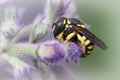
(55, 29)
(59, 26)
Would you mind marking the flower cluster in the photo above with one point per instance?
(32, 39)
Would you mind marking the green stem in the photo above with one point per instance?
(24, 49)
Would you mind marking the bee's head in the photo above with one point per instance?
(59, 26)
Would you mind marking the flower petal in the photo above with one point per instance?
(52, 52)
(74, 52)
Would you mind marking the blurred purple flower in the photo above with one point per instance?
(28, 12)
(2, 2)
(24, 73)
(62, 8)
(33, 27)
(63, 72)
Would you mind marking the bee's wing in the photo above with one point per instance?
(91, 37)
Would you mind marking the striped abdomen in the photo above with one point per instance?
(89, 46)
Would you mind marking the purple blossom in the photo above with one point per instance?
(74, 52)
(55, 53)
(32, 36)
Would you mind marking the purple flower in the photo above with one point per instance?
(32, 36)
(52, 52)
(74, 52)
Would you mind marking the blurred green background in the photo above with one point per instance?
(104, 18)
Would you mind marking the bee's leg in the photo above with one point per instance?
(80, 39)
(60, 36)
(69, 37)
(87, 42)
(84, 38)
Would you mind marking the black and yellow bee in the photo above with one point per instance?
(72, 29)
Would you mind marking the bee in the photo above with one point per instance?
(73, 30)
